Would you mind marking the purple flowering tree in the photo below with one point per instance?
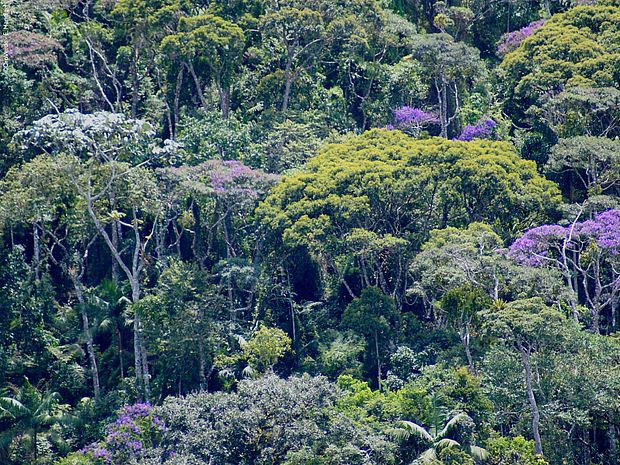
(512, 40)
(588, 255)
(136, 429)
(226, 191)
(412, 120)
(483, 129)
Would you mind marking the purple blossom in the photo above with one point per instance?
(532, 249)
(536, 245)
(138, 410)
(589, 249)
(512, 40)
(230, 180)
(407, 117)
(134, 445)
(604, 229)
(483, 129)
(135, 428)
(99, 453)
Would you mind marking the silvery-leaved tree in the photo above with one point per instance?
(103, 159)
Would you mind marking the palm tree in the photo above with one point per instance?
(438, 438)
(29, 413)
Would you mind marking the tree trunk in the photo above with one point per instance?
(442, 100)
(115, 240)
(140, 357)
(120, 352)
(465, 339)
(36, 252)
(288, 82)
(596, 319)
(525, 358)
(177, 100)
(225, 101)
(137, 356)
(378, 360)
(145, 364)
(135, 83)
(90, 349)
(598, 291)
(198, 86)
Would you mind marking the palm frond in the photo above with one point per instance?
(46, 404)
(480, 454)
(104, 325)
(12, 407)
(226, 373)
(400, 434)
(413, 429)
(427, 457)
(455, 421)
(446, 443)
(248, 372)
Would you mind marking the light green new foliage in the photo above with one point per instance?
(383, 191)
(513, 451)
(266, 347)
(579, 47)
(386, 181)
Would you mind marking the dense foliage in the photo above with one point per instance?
(320, 232)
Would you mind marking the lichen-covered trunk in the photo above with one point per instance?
(525, 358)
(90, 348)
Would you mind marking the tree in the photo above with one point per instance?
(226, 192)
(438, 440)
(266, 347)
(461, 306)
(135, 190)
(480, 130)
(451, 67)
(582, 111)
(513, 451)
(182, 321)
(207, 45)
(574, 389)
(586, 250)
(29, 414)
(510, 41)
(373, 69)
(571, 49)
(39, 195)
(529, 326)
(271, 420)
(453, 258)
(28, 342)
(594, 160)
(413, 119)
(453, 20)
(298, 32)
(384, 192)
(140, 24)
(374, 316)
(137, 429)
(107, 154)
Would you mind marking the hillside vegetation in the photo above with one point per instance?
(318, 232)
